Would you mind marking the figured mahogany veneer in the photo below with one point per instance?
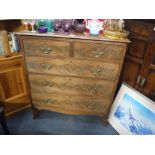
(72, 75)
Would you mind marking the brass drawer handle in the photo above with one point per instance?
(89, 104)
(49, 101)
(95, 71)
(98, 52)
(93, 89)
(47, 66)
(47, 84)
(45, 49)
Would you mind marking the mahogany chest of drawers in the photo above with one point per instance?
(72, 75)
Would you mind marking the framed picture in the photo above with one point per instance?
(132, 113)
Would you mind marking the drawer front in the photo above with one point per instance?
(70, 85)
(48, 65)
(94, 69)
(101, 51)
(77, 103)
(48, 48)
(84, 68)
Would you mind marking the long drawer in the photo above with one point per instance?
(46, 47)
(70, 85)
(72, 67)
(77, 103)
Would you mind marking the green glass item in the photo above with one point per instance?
(46, 23)
(49, 24)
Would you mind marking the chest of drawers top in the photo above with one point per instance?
(71, 36)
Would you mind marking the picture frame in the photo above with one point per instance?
(132, 113)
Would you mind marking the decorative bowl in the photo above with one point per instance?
(116, 34)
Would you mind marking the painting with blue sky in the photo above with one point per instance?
(135, 117)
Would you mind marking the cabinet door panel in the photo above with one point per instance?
(130, 72)
(12, 78)
(13, 85)
(11, 82)
(137, 48)
(149, 86)
(153, 59)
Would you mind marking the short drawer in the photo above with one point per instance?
(78, 68)
(77, 103)
(101, 51)
(48, 48)
(48, 65)
(70, 85)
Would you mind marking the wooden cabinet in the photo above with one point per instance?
(72, 75)
(139, 66)
(11, 25)
(13, 91)
(148, 81)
